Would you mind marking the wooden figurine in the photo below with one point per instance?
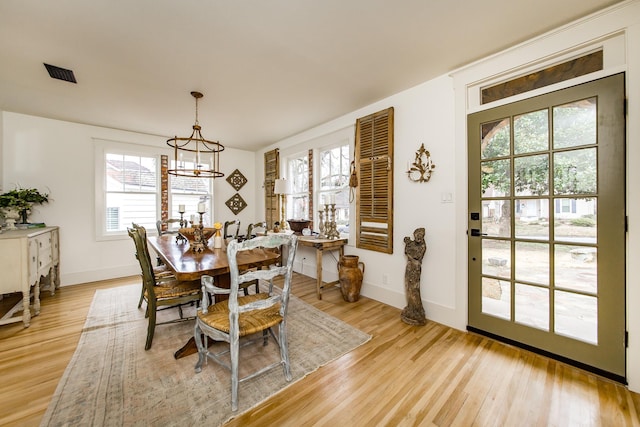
(413, 313)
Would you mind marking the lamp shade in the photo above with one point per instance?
(281, 186)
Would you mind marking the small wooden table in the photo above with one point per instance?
(188, 265)
(322, 245)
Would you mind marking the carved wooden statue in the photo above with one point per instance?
(413, 313)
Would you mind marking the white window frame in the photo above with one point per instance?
(191, 207)
(294, 177)
(102, 148)
(321, 196)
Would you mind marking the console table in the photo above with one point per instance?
(26, 256)
(322, 245)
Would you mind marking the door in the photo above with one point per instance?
(547, 224)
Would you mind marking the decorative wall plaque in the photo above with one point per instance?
(236, 203)
(237, 180)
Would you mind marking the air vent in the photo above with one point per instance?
(60, 73)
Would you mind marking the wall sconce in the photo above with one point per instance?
(422, 166)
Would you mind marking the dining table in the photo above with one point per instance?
(188, 265)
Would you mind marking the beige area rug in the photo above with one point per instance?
(112, 381)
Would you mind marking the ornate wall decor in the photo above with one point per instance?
(422, 166)
(237, 180)
(236, 203)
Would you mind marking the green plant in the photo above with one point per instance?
(583, 222)
(23, 198)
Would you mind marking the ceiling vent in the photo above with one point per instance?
(60, 73)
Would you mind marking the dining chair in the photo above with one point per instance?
(229, 234)
(256, 229)
(167, 226)
(160, 292)
(251, 317)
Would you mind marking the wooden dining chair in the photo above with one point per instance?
(160, 292)
(167, 226)
(256, 229)
(247, 316)
(228, 231)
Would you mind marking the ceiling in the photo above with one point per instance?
(268, 68)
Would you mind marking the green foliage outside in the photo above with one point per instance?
(574, 171)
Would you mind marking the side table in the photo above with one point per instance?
(321, 246)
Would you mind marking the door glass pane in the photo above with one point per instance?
(576, 220)
(531, 175)
(496, 218)
(532, 262)
(495, 139)
(496, 258)
(531, 132)
(576, 268)
(576, 316)
(532, 306)
(575, 172)
(532, 219)
(575, 124)
(496, 180)
(496, 297)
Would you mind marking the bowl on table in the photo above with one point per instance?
(297, 225)
(189, 233)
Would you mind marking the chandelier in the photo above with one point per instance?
(195, 156)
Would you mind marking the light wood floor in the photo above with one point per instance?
(406, 375)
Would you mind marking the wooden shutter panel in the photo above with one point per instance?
(374, 197)
(271, 173)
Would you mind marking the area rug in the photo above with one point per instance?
(112, 381)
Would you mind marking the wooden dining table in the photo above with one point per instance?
(189, 265)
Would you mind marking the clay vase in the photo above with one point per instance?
(350, 272)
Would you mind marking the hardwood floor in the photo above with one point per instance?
(406, 375)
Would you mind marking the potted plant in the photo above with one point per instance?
(17, 203)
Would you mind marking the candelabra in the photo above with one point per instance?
(199, 240)
(331, 230)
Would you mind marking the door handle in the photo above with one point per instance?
(476, 232)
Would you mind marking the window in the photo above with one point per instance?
(298, 203)
(130, 191)
(334, 183)
(189, 192)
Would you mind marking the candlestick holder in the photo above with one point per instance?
(321, 224)
(199, 240)
(332, 232)
(183, 223)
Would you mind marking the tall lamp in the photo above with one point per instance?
(281, 187)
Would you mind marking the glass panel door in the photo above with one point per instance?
(547, 223)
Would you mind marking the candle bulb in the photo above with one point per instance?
(181, 209)
(201, 208)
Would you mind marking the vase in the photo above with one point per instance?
(11, 215)
(217, 240)
(350, 273)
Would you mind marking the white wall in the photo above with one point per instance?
(423, 114)
(58, 157)
(435, 113)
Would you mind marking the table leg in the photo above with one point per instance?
(319, 273)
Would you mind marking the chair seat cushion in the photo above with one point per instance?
(249, 322)
(175, 288)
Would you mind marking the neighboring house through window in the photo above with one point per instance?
(189, 192)
(128, 189)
